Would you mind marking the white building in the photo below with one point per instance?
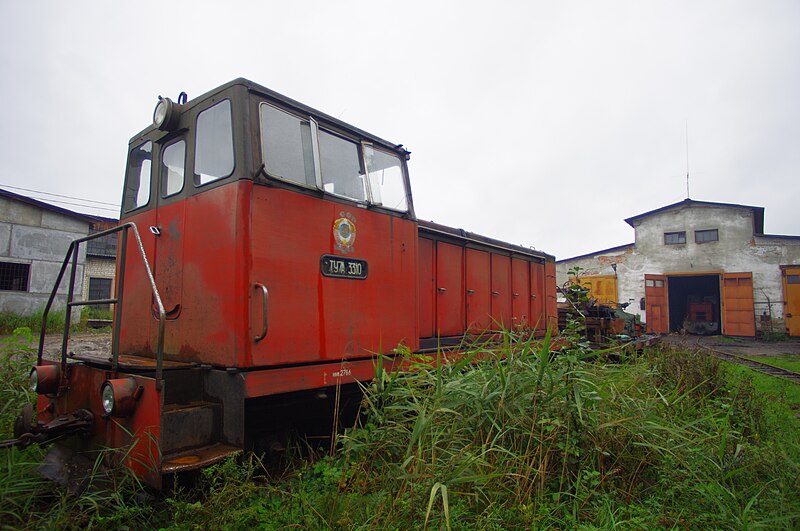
(700, 266)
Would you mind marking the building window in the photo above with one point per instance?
(99, 289)
(703, 236)
(14, 277)
(793, 279)
(674, 238)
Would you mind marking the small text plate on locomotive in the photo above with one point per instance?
(341, 267)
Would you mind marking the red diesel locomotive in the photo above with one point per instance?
(268, 253)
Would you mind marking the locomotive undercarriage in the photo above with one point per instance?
(200, 415)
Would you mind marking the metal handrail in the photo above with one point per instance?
(265, 314)
(72, 252)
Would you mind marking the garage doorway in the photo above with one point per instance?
(694, 304)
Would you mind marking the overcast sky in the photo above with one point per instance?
(538, 122)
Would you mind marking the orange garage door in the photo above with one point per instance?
(738, 315)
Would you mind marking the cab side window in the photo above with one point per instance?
(298, 149)
(138, 177)
(213, 154)
(341, 169)
(286, 146)
(386, 179)
(173, 162)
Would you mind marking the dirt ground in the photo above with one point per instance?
(737, 345)
(98, 343)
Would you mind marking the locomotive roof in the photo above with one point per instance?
(297, 106)
(462, 234)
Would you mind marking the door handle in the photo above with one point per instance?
(155, 230)
(265, 322)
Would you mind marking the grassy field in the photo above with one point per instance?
(520, 440)
(791, 363)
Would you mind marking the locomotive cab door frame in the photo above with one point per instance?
(170, 218)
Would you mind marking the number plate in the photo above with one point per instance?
(341, 267)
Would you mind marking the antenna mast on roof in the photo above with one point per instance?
(687, 159)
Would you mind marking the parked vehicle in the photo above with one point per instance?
(268, 254)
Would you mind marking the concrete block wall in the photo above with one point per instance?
(41, 238)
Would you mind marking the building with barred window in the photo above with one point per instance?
(702, 268)
(34, 239)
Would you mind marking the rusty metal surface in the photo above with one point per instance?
(197, 458)
(551, 304)
(286, 380)
(449, 290)
(127, 362)
(538, 298)
(501, 292)
(479, 290)
(139, 431)
(520, 293)
(426, 288)
(317, 318)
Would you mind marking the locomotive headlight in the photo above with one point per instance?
(166, 114)
(45, 379)
(107, 397)
(33, 380)
(119, 396)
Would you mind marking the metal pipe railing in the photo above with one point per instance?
(73, 252)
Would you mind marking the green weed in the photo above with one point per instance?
(513, 437)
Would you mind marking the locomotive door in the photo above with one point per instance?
(501, 291)
(478, 290)
(537, 297)
(791, 291)
(449, 290)
(657, 311)
(427, 288)
(169, 230)
(520, 292)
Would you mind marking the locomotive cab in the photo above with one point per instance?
(277, 234)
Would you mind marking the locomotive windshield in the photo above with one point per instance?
(296, 149)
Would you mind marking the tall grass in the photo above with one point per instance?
(514, 437)
(523, 438)
(10, 321)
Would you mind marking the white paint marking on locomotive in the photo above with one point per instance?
(342, 373)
